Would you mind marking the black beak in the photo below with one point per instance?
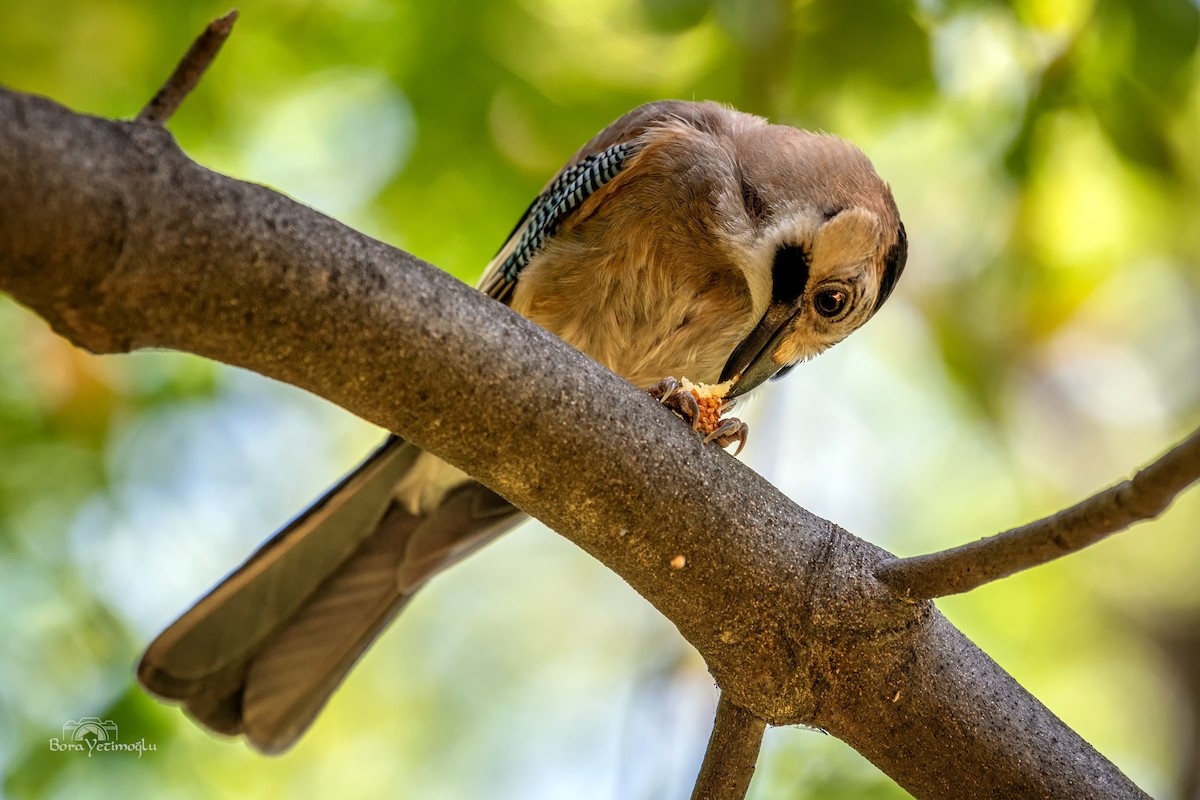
(751, 363)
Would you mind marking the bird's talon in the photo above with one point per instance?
(729, 431)
(692, 408)
(701, 406)
(670, 392)
(664, 389)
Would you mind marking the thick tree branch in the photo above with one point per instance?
(968, 566)
(111, 234)
(189, 70)
(731, 755)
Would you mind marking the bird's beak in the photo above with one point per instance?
(751, 363)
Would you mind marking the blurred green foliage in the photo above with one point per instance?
(1045, 339)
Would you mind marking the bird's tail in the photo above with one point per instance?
(262, 652)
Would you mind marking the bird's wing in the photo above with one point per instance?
(567, 192)
(587, 175)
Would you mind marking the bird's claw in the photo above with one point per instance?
(729, 431)
(670, 392)
(683, 399)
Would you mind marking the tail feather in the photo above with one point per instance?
(296, 672)
(262, 653)
(467, 519)
(225, 626)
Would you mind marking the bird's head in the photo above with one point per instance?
(823, 248)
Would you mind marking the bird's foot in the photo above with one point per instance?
(685, 404)
(730, 430)
(701, 406)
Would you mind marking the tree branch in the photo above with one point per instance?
(112, 235)
(968, 566)
(731, 755)
(189, 71)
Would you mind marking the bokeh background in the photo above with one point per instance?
(1044, 341)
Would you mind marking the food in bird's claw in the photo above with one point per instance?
(710, 397)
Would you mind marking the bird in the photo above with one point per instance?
(686, 240)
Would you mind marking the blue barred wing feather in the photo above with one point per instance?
(567, 192)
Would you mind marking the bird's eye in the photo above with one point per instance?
(830, 302)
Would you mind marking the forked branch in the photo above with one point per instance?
(731, 755)
(1146, 495)
(187, 73)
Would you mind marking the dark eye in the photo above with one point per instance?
(830, 302)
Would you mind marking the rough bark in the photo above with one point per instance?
(111, 234)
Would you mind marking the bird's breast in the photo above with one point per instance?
(644, 308)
